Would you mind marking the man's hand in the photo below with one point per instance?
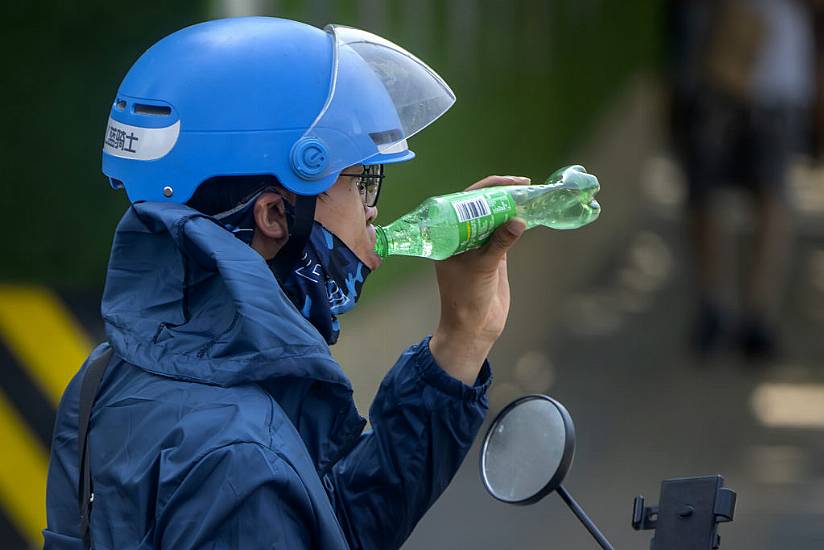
(474, 292)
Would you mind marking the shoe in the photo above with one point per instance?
(757, 340)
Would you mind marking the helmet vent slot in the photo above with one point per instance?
(389, 136)
(152, 110)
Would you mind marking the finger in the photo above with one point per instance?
(503, 239)
(492, 181)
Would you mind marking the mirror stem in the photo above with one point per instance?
(582, 516)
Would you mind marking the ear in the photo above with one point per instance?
(270, 216)
(271, 228)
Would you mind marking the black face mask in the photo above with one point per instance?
(326, 282)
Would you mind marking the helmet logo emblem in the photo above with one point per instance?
(309, 158)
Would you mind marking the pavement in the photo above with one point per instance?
(599, 320)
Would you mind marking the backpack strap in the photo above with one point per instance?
(88, 391)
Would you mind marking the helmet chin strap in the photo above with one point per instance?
(300, 226)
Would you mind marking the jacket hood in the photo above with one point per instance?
(184, 298)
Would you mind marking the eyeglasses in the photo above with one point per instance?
(369, 183)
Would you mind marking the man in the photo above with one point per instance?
(252, 150)
(742, 81)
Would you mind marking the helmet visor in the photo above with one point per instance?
(380, 95)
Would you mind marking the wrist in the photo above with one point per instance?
(460, 354)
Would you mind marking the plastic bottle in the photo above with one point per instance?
(450, 224)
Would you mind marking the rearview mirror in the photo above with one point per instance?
(528, 450)
(527, 453)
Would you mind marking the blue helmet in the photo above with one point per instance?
(260, 95)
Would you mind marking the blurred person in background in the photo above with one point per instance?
(742, 85)
(252, 151)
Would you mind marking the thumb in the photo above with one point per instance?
(504, 237)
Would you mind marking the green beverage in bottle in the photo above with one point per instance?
(450, 224)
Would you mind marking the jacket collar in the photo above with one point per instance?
(186, 299)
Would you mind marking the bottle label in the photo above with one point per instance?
(479, 213)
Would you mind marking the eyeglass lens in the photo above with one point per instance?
(369, 184)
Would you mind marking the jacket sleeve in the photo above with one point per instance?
(238, 496)
(423, 423)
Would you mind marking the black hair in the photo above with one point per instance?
(222, 193)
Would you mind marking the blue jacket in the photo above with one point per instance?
(224, 422)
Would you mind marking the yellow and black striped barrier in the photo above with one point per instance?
(42, 345)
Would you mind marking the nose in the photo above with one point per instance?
(371, 213)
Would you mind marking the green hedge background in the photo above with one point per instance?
(530, 76)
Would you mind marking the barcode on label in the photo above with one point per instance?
(471, 209)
